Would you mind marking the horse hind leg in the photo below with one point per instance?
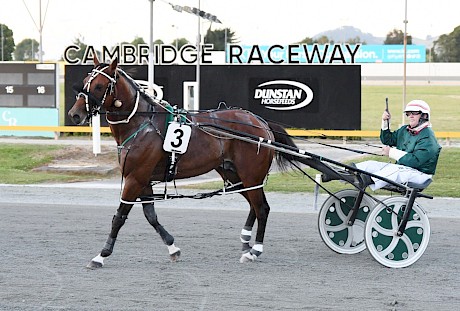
(168, 239)
(118, 221)
(246, 232)
(228, 173)
(260, 212)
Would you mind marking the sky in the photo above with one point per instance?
(108, 22)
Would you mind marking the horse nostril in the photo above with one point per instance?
(76, 119)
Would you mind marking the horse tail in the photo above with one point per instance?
(284, 160)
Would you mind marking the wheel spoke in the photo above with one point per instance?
(390, 248)
(414, 224)
(394, 215)
(409, 245)
(339, 211)
(381, 230)
(350, 238)
(359, 223)
(340, 227)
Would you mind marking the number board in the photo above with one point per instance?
(28, 85)
(177, 138)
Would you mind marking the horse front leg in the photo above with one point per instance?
(118, 221)
(152, 218)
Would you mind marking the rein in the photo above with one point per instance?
(281, 133)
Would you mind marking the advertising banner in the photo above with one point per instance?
(28, 117)
(323, 54)
(298, 96)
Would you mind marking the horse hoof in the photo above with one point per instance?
(175, 257)
(96, 262)
(174, 252)
(94, 265)
(247, 257)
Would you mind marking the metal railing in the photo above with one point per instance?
(344, 134)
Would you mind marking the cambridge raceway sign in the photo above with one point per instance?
(165, 54)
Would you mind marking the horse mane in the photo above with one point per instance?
(136, 86)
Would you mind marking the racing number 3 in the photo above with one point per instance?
(177, 138)
(179, 134)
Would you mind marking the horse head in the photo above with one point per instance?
(98, 92)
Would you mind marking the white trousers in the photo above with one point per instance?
(395, 172)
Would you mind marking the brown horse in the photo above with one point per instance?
(139, 122)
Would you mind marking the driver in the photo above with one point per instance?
(414, 147)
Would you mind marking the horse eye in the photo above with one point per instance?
(98, 87)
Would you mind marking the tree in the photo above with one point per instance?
(397, 37)
(307, 40)
(320, 40)
(447, 47)
(323, 40)
(6, 43)
(355, 40)
(137, 41)
(179, 43)
(27, 49)
(73, 54)
(219, 38)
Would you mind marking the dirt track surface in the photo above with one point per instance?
(45, 247)
(48, 233)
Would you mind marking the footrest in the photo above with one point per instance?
(412, 185)
(338, 175)
(419, 186)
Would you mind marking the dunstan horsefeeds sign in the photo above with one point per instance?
(283, 97)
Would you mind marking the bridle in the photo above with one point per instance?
(93, 104)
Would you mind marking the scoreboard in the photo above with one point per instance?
(28, 85)
(29, 96)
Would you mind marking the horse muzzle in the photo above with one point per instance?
(77, 118)
(78, 114)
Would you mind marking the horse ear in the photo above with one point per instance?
(95, 60)
(114, 64)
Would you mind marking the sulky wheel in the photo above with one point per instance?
(332, 222)
(381, 239)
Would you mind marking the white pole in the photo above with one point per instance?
(96, 131)
(198, 60)
(405, 61)
(316, 190)
(225, 41)
(151, 73)
(40, 52)
(2, 40)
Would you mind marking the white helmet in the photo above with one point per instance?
(418, 105)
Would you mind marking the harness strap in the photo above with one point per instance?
(133, 135)
(174, 112)
(136, 105)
